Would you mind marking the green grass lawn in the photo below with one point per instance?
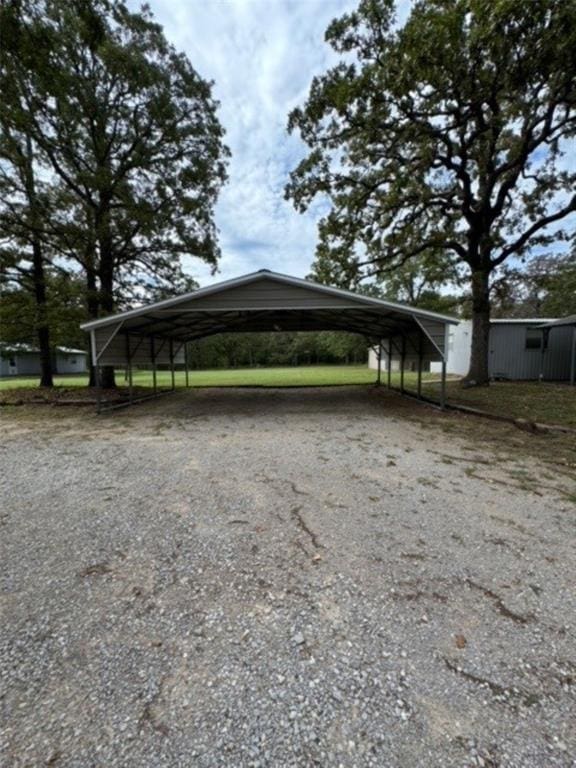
(309, 376)
(29, 382)
(304, 376)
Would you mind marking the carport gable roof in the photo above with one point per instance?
(265, 301)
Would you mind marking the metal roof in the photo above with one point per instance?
(195, 296)
(522, 320)
(569, 320)
(28, 349)
(157, 334)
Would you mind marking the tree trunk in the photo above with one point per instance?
(38, 272)
(42, 327)
(478, 373)
(106, 274)
(92, 306)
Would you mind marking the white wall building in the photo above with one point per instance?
(459, 346)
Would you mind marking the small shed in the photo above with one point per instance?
(519, 351)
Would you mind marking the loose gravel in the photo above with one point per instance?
(281, 578)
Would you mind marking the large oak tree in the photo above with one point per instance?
(450, 133)
(128, 133)
(23, 253)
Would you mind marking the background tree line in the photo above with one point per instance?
(445, 147)
(254, 350)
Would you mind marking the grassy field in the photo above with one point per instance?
(309, 376)
(30, 382)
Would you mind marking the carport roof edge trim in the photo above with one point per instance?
(568, 320)
(269, 275)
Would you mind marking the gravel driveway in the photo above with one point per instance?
(282, 578)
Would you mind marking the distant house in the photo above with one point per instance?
(519, 350)
(24, 360)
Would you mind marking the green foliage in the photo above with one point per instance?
(125, 137)
(418, 282)
(66, 309)
(246, 350)
(544, 287)
(111, 154)
(448, 135)
(559, 285)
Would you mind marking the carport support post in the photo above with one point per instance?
(153, 356)
(389, 363)
(420, 340)
(98, 388)
(96, 367)
(129, 369)
(172, 364)
(443, 385)
(186, 364)
(379, 375)
(402, 362)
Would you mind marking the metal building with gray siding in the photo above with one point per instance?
(518, 350)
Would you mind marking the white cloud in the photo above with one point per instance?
(261, 55)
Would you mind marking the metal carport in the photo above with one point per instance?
(267, 301)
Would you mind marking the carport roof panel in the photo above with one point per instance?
(205, 301)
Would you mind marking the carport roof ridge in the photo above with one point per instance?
(277, 277)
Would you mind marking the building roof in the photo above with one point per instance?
(522, 320)
(28, 349)
(569, 320)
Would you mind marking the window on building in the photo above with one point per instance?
(533, 338)
(12, 362)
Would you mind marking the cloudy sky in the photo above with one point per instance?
(261, 55)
